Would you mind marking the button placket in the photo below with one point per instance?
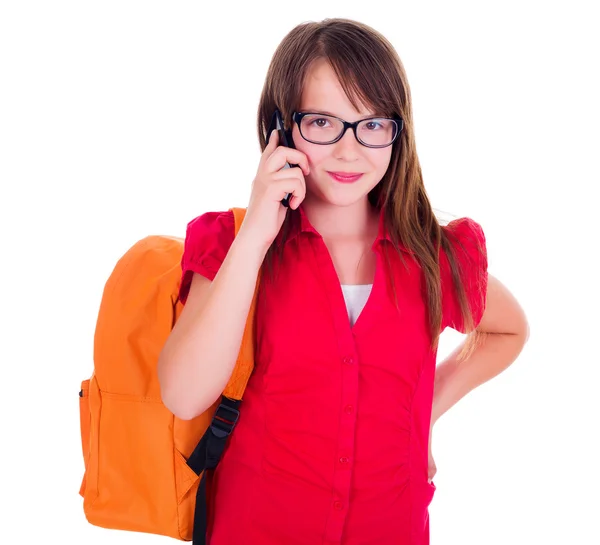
(345, 445)
(347, 358)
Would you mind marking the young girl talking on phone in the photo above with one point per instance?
(333, 443)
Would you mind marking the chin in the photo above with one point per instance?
(343, 195)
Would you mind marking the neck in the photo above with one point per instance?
(357, 220)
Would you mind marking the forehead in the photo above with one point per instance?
(323, 92)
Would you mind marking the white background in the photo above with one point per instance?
(123, 119)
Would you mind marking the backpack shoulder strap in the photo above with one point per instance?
(245, 362)
(209, 450)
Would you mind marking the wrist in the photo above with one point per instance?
(435, 414)
(250, 246)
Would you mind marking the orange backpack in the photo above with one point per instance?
(145, 469)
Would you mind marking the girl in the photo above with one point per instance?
(333, 442)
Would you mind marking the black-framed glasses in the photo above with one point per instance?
(373, 132)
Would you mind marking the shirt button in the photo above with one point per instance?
(344, 460)
(348, 361)
(337, 505)
(348, 409)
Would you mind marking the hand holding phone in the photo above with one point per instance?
(284, 140)
(280, 177)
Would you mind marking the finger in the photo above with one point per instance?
(287, 173)
(293, 172)
(283, 155)
(282, 188)
(271, 146)
(273, 140)
(296, 201)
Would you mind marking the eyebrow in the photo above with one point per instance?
(325, 112)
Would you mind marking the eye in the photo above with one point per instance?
(373, 125)
(320, 122)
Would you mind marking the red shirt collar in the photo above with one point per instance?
(301, 224)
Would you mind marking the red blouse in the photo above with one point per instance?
(332, 441)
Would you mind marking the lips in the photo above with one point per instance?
(345, 177)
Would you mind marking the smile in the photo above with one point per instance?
(345, 177)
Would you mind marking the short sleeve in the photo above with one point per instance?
(469, 244)
(207, 241)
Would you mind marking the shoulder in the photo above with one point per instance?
(218, 224)
(468, 242)
(465, 230)
(208, 238)
(211, 227)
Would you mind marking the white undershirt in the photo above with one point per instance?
(356, 296)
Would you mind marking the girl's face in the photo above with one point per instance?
(323, 94)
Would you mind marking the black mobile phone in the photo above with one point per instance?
(285, 139)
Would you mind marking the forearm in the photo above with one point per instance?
(201, 351)
(454, 379)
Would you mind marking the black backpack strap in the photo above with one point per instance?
(206, 456)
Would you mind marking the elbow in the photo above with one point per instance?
(176, 404)
(522, 326)
(183, 411)
(171, 393)
(526, 332)
(182, 414)
(176, 394)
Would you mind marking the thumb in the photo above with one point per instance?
(273, 139)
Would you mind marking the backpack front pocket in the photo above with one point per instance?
(84, 424)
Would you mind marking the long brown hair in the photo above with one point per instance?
(370, 71)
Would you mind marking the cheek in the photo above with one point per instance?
(381, 160)
(315, 154)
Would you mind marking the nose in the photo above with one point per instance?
(347, 146)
